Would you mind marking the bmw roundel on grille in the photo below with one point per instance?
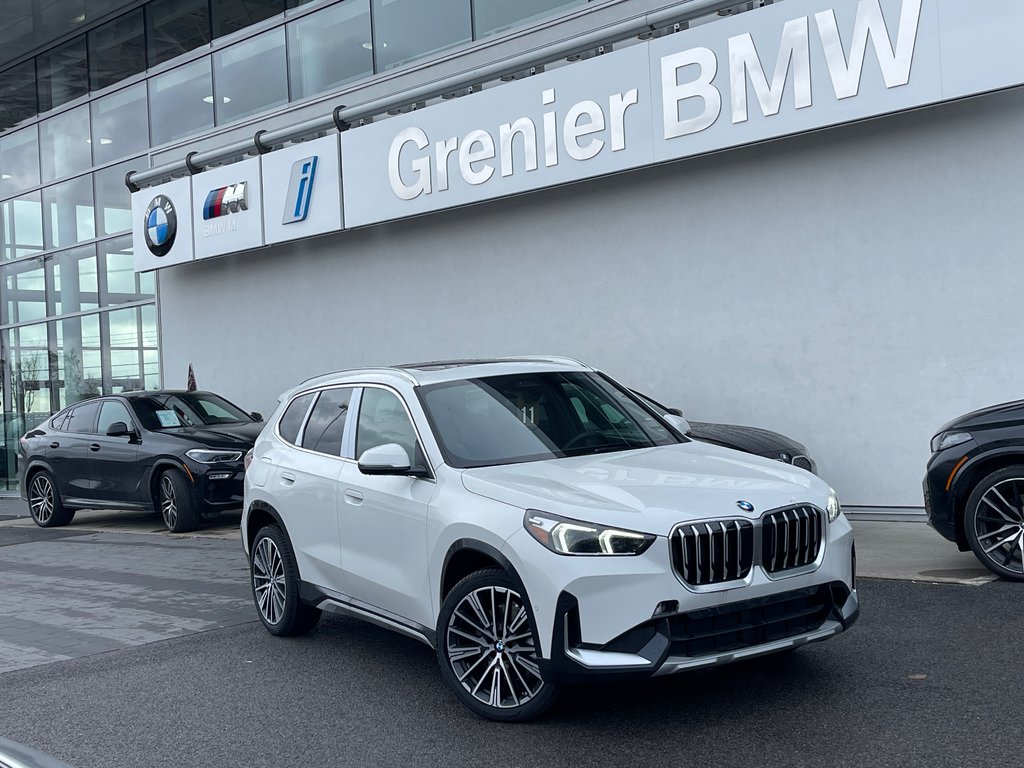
(746, 506)
(161, 226)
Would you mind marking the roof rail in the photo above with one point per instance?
(374, 369)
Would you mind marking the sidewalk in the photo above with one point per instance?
(12, 507)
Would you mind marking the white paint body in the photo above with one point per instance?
(383, 540)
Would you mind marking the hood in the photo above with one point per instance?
(649, 490)
(761, 442)
(1002, 415)
(239, 436)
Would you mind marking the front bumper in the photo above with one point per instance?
(217, 488)
(947, 468)
(704, 638)
(633, 616)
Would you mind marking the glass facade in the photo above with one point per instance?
(75, 319)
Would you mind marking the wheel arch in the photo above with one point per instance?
(466, 556)
(34, 468)
(262, 514)
(161, 465)
(973, 473)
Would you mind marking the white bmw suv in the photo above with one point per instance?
(537, 525)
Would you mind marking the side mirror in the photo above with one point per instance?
(256, 416)
(119, 429)
(674, 412)
(677, 422)
(389, 459)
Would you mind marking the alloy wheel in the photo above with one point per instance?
(489, 643)
(268, 580)
(41, 499)
(999, 524)
(168, 503)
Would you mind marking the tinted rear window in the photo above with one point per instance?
(82, 418)
(291, 422)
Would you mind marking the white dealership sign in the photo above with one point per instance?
(227, 209)
(302, 190)
(792, 67)
(788, 68)
(162, 225)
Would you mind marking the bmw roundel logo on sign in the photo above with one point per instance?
(161, 225)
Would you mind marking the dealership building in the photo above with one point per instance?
(802, 215)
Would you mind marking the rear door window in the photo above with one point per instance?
(83, 419)
(326, 423)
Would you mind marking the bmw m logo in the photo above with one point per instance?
(225, 200)
(161, 226)
(746, 506)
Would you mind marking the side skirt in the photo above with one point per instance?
(337, 602)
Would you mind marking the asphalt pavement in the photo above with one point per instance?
(929, 676)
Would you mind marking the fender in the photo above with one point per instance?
(263, 506)
(33, 465)
(984, 456)
(482, 548)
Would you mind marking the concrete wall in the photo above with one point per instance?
(853, 288)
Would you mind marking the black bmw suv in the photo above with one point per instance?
(179, 453)
(974, 486)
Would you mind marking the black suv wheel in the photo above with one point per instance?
(44, 502)
(994, 522)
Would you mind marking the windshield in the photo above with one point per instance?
(189, 409)
(534, 416)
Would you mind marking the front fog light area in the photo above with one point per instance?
(574, 537)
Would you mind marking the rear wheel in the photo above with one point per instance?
(487, 649)
(44, 502)
(174, 500)
(275, 585)
(994, 522)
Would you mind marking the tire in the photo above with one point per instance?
(174, 501)
(510, 687)
(274, 578)
(994, 522)
(44, 502)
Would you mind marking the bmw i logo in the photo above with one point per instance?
(161, 225)
(746, 506)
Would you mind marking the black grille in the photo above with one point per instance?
(715, 552)
(750, 622)
(791, 538)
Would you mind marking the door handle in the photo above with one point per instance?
(287, 477)
(94, 446)
(353, 497)
(55, 444)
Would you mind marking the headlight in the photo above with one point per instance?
(205, 456)
(945, 440)
(832, 507)
(573, 537)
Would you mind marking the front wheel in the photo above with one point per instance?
(44, 502)
(174, 499)
(994, 522)
(487, 649)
